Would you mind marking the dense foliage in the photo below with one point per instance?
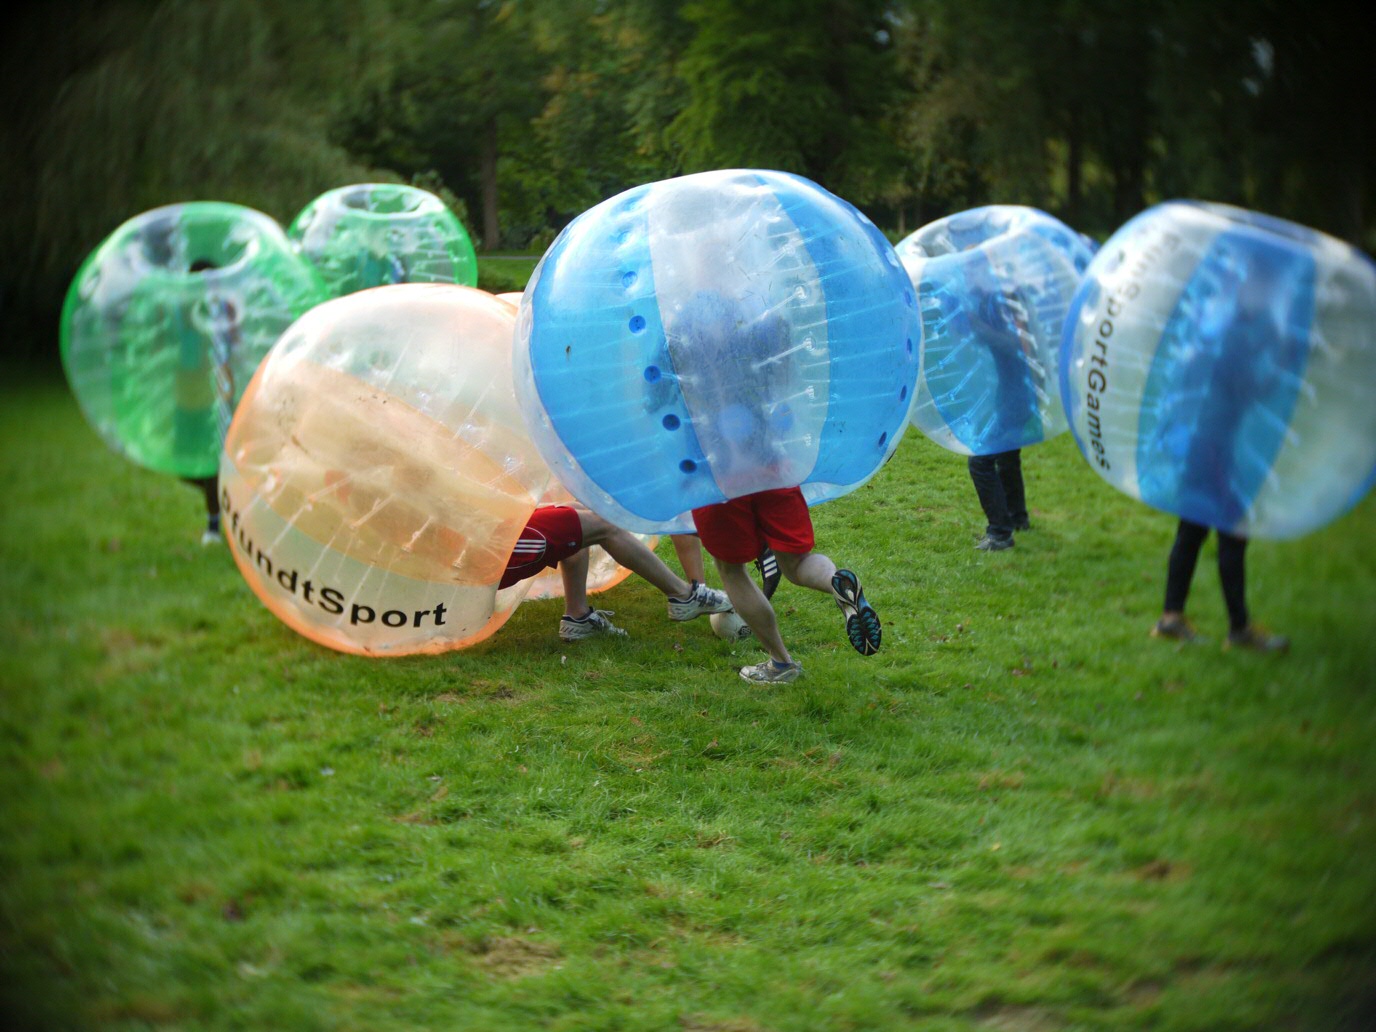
(525, 112)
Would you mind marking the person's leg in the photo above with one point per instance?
(688, 548)
(686, 601)
(984, 474)
(1189, 539)
(630, 552)
(1014, 492)
(1242, 633)
(580, 619)
(573, 572)
(810, 570)
(210, 490)
(1232, 573)
(753, 608)
(816, 571)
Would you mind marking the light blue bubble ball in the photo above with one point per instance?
(1218, 364)
(993, 286)
(703, 338)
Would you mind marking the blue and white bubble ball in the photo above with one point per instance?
(994, 285)
(706, 337)
(1218, 364)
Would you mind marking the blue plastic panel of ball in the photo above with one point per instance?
(710, 336)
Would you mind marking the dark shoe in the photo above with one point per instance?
(989, 543)
(862, 622)
(768, 565)
(1022, 523)
(1175, 628)
(1258, 640)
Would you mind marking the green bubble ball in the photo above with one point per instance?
(375, 234)
(167, 320)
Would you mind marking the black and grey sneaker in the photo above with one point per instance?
(990, 543)
(1254, 638)
(590, 626)
(700, 601)
(1176, 628)
(768, 566)
(862, 622)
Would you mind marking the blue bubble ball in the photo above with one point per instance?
(1217, 364)
(993, 286)
(703, 338)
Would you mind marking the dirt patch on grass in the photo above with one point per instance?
(702, 1023)
(512, 957)
(1008, 1018)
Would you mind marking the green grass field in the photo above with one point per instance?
(1022, 814)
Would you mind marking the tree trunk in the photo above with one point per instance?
(488, 164)
(1074, 160)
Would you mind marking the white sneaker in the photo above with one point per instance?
(768, 673)
(211, 537)
(700, 601)
(589, 626)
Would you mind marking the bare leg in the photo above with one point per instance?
(573, 571)
(688, 548)
(630, 552)
(809, 570)
(753, 608)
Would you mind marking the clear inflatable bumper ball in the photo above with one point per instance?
(707, 337)
(167, 320)
(378, 472)
(379, 234)
(1218, 365)
(994, 285)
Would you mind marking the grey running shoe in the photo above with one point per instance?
(589, 626)
(768, 673)
(700, 601)
(862, 622)
(989, 543)
(1258, 640)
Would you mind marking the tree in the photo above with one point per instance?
(152, 103)
(799, 88)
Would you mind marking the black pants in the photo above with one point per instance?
(210, 488)
(998, 482)
(1232, 553)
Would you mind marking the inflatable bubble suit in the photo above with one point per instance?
(376, 234)
(378, 472)
(993, 286)
(604, 572)
(1218, 364)
(706, 337)
(167, 320)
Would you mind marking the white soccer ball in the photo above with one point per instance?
(729, 627)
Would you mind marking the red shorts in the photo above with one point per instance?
(739, 530)
(551, 535)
